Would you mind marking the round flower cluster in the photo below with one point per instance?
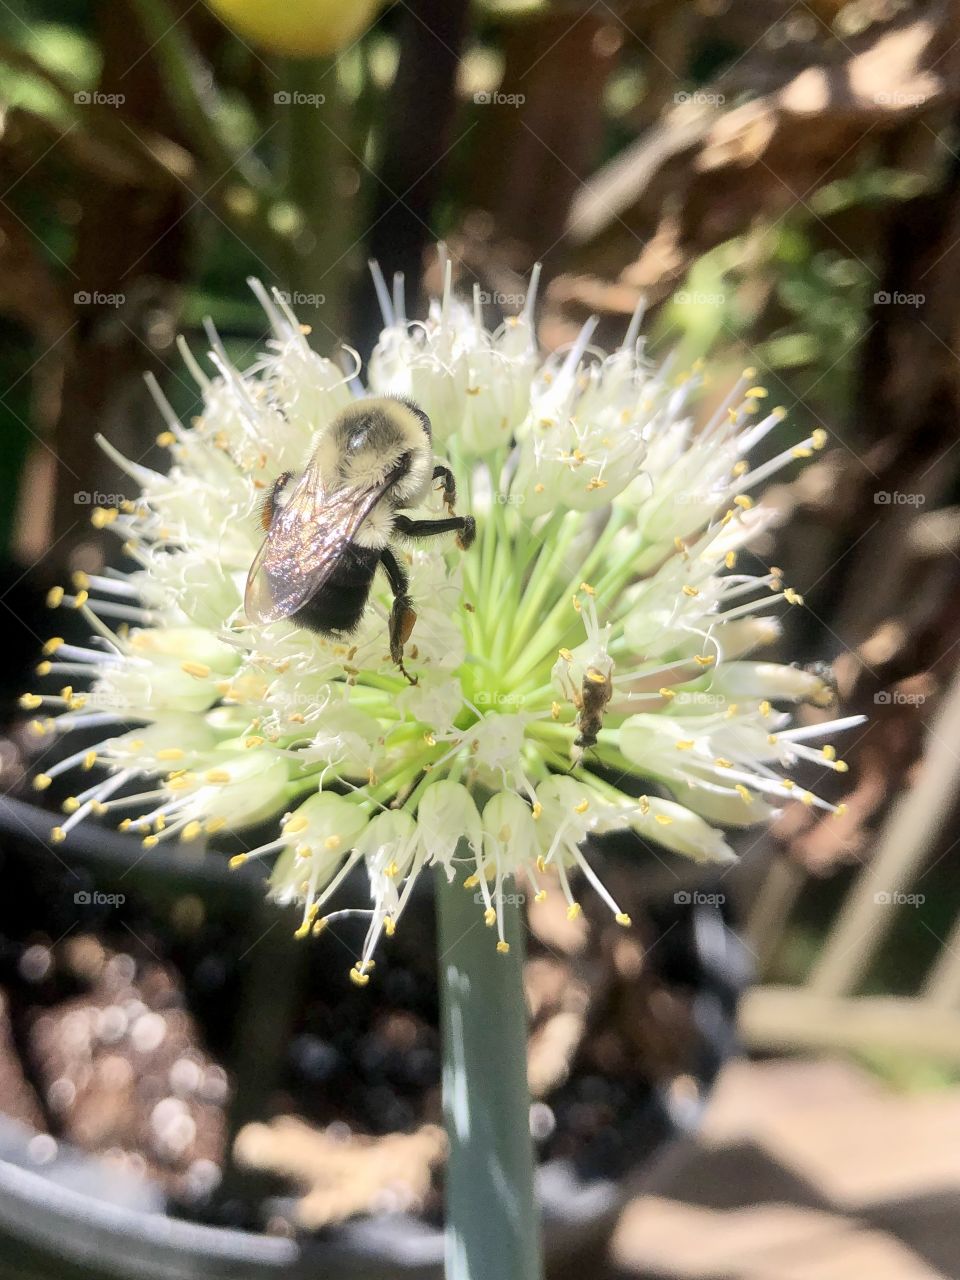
(580, 669)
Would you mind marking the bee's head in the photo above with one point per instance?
(374, 440)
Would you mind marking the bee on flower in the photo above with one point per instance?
(423, 622)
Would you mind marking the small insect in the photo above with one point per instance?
(329, 530)
(596, 691)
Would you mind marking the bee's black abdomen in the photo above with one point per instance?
(338, 605)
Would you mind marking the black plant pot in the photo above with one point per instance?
(73, 1217)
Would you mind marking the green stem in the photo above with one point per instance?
(493, 1229)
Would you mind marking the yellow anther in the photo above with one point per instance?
(743, 793)
(55, 597)
(743, 501)
(489, 917)
(429, 739)
(213, 825)
(685, 744)
(680, 546)
(730, 559)
(801, 451)
(749, 374)
(756, 393)
(125, 825)
(471, 882)
(392, 870)
(191, 831)
(539, 488)
(30, 701)
(740, 468)
(98, 808)
(170, 753)
(574, 910)
(622, 918)
(668, 693)
(503, 948)
(692, 592)
(541, 862)
(294, 823)
(103, 516)
(165, 439)
(577, 606)
(842, 767)
(540, 895)
(807, 798)
(58, 835)
(217, 776)
(303, 930)
(663, 819)
(254, 741)
(555, 710)
(582, 807)
(585, 586)
(792, 597)
(55, 642)
(723, 763)
(818, 438)
(389, 926)
(332, 842)
(359, 979)
(237, 860)
(704, 659)
(303, 851)
(566, 655)
(199, 670)
(42, 781)
(536, 811)
(70, 805)
(43, 668)
(732, 710)
(644, 805)
(840, 810)
(828, 752)
(150, 842)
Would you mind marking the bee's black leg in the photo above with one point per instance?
(403, 616)
(449, 486)
(465, 528)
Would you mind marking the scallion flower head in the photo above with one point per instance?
(583, 668)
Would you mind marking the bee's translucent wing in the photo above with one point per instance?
(308, 536)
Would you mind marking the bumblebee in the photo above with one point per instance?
(328, 531)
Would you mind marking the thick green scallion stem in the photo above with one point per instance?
(493, 1225)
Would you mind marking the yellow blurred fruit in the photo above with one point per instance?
(298, 28)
